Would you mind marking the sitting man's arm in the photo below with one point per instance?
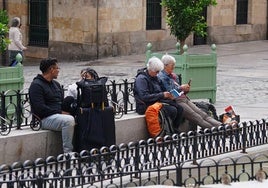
(39, 104)
(143, 90)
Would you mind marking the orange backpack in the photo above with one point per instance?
(158, 124)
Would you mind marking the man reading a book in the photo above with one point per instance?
(170, 83)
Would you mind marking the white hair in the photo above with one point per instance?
(155, 64)
(15, 22)
(168, 59)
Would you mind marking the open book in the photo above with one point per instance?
(175, 93)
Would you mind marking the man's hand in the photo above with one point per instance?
(168, 95)
(185, 88)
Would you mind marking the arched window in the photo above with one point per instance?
(242, 12)
(38, 23)
(153, 15)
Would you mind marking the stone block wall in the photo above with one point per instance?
(222, 26)
(89, 29)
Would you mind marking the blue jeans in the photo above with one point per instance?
(64, 123)
(12, 55)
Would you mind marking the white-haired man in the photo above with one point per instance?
(190, 111)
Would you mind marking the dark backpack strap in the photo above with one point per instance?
(165, 123)
(213, 112)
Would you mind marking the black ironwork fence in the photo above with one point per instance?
(166, 161)
(15, 109)
(153, 161)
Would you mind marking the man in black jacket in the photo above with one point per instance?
(46, 96)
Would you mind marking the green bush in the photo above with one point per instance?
(4, 41)
(185, 17)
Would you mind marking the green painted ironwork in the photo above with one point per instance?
(11, 78)
(11, 81)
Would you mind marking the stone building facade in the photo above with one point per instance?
(89, 29)
(224, 29)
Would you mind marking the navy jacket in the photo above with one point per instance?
(147, 90)
(45, 97)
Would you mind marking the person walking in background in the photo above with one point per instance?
(15, 38)
(46, 97)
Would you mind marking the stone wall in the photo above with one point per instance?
(222, 22)
(110, 28)
(90, 29)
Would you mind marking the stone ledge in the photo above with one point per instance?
(136, 128)
(21, 145)
(26, 144)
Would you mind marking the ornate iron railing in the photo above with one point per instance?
(15, 109)
(154, 161)
(166, 161)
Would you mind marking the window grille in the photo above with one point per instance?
(153, 15)
(242, 12)
(38, 23)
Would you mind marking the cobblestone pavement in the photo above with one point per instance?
(242, 71)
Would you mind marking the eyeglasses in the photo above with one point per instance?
(171, 65)
(55, 67)
(156, 72)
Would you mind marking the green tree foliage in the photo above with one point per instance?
(185, 17)
(4, 41)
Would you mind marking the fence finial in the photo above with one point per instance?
(19, 58)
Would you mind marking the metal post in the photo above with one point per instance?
(179, 175)
(19, 110)
(244, 137)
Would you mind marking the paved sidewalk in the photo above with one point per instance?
(242, 71)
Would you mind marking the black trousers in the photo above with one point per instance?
(175, 113)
